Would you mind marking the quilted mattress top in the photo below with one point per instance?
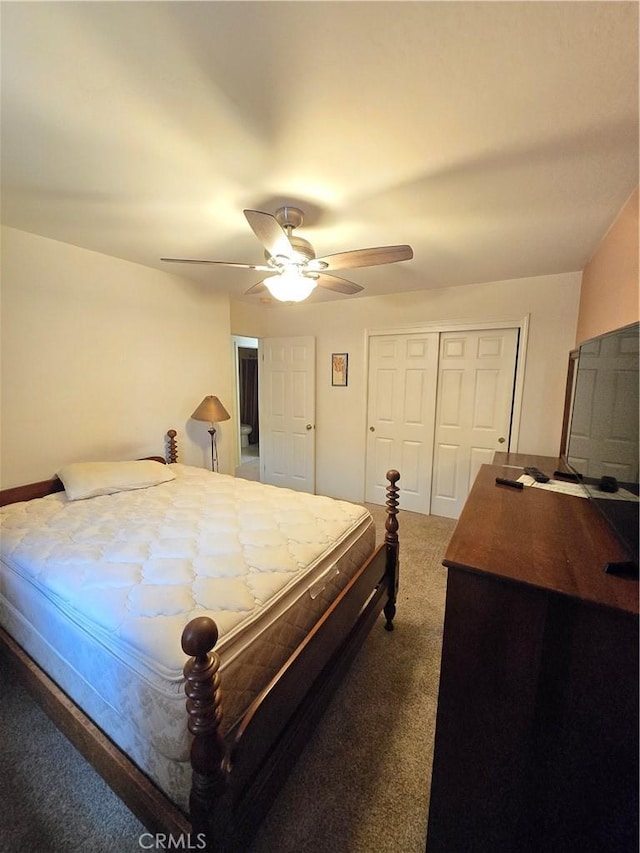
(134, 567)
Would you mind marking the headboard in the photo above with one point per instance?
(49, 487)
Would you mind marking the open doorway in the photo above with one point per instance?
(248, 466)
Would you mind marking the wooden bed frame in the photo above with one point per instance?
(236, 778)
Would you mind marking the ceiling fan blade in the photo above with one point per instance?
(339, 285)
(260, 287)
(269, 232)
(260, 268)
(363, 258)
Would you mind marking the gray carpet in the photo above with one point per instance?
(361, 785)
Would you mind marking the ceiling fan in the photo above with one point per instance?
(291, 260)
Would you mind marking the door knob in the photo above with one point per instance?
(372, 429)
(310, 427)
(501, 440)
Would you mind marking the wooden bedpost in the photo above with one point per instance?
(172, 446)
(208, 754)
(391, 542)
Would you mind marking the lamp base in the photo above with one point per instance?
(214, 450)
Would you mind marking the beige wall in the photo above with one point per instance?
(609, 296)
(100, 357)
(551, 302)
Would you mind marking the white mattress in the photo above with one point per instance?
(98, 592)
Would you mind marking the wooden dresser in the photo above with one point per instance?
(536, 744)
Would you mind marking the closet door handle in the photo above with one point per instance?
(372, 429)
(309, 426)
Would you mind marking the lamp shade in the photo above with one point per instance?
(212, 410)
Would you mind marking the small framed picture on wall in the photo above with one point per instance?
(339, 368)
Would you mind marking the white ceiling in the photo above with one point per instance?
(499, 139)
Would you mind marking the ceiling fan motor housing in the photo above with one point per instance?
(302, 247)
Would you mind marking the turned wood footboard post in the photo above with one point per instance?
(391, 542)
(172, 446)
(208, 754)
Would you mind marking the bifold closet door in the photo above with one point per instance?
(402, 394)
(476, 377)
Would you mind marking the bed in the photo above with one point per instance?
(126, 586)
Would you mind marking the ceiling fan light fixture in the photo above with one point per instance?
(291, 260)
(316, 265)
(290, 286)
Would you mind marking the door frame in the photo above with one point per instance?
(238, 341)
(464, 326)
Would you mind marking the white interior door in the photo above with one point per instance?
(287, 412)
(476, 375)
(402, 393)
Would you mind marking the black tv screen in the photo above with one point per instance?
(602, 447)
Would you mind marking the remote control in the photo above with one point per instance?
(566, 475)
(515, 484)
(537, 475)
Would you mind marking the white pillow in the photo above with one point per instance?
(89, 479)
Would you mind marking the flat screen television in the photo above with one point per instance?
(603, 440)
